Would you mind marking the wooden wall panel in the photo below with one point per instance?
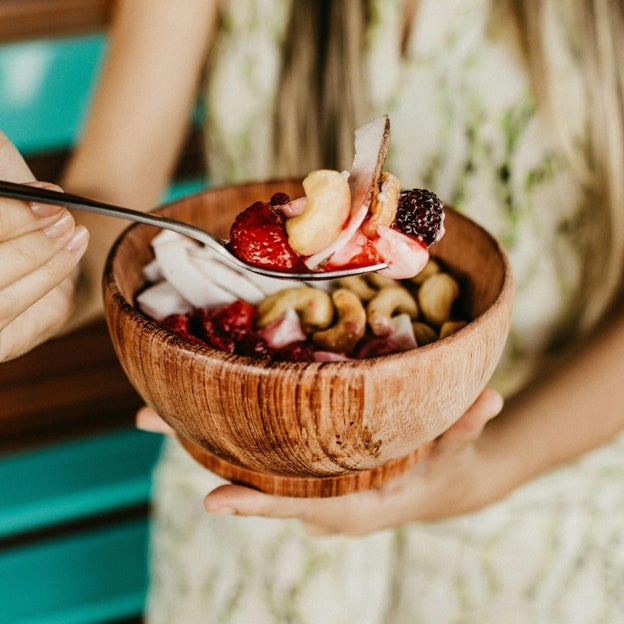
(30, 19)
(67, 387)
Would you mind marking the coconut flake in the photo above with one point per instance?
(151, 272)
(172, 253)
(402, 333)
(371, 148)
(225, 276)
(161, 300)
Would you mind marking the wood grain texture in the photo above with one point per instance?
(67, 387)
(30, 19)
(293, 428)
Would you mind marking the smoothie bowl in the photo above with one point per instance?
(309, 428)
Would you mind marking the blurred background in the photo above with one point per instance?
(75, 476)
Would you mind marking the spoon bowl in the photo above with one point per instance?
(24, 192)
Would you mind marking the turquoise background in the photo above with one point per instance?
(45, 86)
(45, 90)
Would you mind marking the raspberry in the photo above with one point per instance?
(235, 320)
(420, 214)
(211, 332)
(253, 345)
(300, 351)
(374, 347)
(258, 237)
(180, 325)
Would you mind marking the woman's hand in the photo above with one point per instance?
(574, 409)
(40, 247)
(456, 477)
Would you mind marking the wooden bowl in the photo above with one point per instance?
(308, 428)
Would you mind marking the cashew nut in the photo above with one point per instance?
(380, 281)
(423, 333)
(314, 306)
(436, 297)
(384, 204)
(385, 304)
(350, 326)
(431, 268)
(358, 285)
(450, 327)
(327, 208)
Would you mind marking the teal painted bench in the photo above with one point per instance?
(74, 529)
(75, 477)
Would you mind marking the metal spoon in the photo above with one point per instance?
(47, 196)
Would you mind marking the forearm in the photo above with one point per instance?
(139, 117)
(576, 408)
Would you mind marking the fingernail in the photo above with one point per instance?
(60, 226)
(79, 239)
(44, 210)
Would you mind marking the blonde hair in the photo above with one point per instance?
(322, 94)
(323, 97)
(597, 28)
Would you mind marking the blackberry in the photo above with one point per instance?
(420, 214)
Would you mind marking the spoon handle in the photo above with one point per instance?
(24, 192)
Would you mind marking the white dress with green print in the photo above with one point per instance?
(464, 125)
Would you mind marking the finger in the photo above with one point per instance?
(30, 234)
(352, 514)
(148, 420)
(12, 165)
(469, 427)
(14, 168)
(21, 217)
(20, 295)
(39, 322)
(25, 254)
(243, 501)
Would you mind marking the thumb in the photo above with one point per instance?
(469, 427)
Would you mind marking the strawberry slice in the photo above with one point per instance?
(259, 238)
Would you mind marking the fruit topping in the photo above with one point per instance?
(352, 318)
(420, 214)
(235, 320)
(180, 325)
(343, 220)
(406, 256)
(258, 237)
(279, 199)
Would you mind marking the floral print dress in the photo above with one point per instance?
(464, 124)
